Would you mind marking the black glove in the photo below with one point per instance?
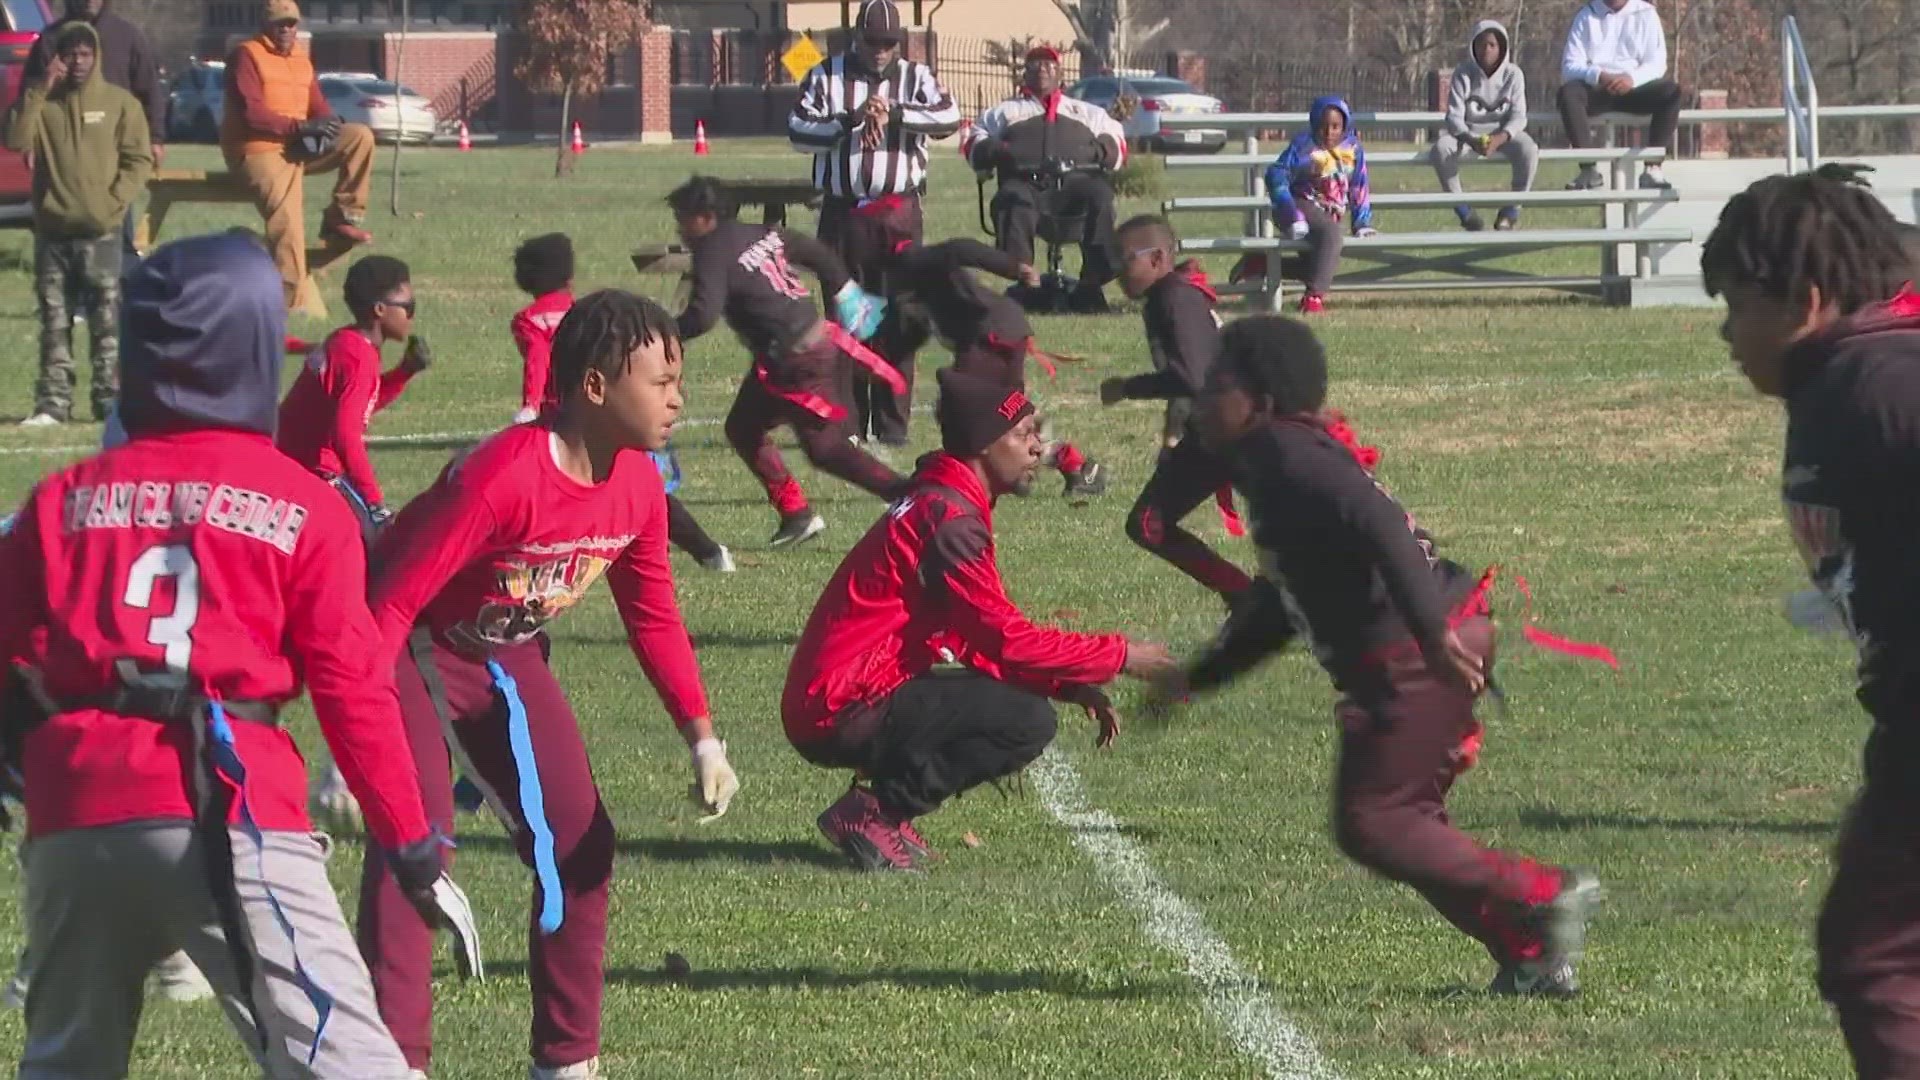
(320, 127)
(419, 355)
(415, 868)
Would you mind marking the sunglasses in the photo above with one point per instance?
(284, 24)
(404, 305)
(881, 44)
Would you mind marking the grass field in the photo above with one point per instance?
(1611, 456)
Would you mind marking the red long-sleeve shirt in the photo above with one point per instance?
(504, 542)
(924, 578)
(533, 328)
(208, 556)
(323, 421)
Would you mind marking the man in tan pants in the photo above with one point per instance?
(277, 129)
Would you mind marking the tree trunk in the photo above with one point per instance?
(399, 108)
(563, 156)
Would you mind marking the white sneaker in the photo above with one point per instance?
(721, 562)
(579, 1070)
(416, 1074)
(332, 805)
(41, 419)
(177, 979)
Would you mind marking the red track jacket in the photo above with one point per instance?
(924, 579)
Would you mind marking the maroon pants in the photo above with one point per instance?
(820, 373)
(1869, 930)
(1401, 746)
(567, 967)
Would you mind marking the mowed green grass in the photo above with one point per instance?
(1609, 455)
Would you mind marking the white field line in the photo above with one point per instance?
(1251, 1019)
(1058, 403)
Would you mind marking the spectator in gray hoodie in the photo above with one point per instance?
(1487, 115)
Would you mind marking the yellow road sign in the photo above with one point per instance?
(802, 57)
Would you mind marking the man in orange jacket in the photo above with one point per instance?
(278, 128)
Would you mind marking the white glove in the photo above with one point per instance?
(456, 913)
(526, 416)
(332, 805)
(714, 783)
(1298, 230)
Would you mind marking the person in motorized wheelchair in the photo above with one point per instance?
(1052, 155)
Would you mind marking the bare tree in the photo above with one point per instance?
(1106, 32)
(570, 44)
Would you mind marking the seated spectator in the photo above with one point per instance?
(1616, 61)
(277, 129)
(1052, 154)
(1319, 182)
(1487, 115)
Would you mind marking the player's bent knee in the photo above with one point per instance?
(1362, 836)
(1145, 528)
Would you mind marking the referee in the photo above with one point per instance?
(865, 116)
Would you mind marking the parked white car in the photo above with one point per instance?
(1159, 96)
(393, 112)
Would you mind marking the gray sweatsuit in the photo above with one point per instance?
(1479, 104)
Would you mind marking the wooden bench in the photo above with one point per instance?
(1397, 255)
(1596, 154)
(170, 186)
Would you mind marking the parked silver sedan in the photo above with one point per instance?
(393, 112)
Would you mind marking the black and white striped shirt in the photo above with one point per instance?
(825, 124)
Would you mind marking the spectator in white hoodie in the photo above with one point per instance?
(1616, 61)
(1487, 115)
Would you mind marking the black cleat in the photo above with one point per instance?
(797, 528)
(1091, 480)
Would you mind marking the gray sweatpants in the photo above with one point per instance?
(103, 904)
(1326, 235)
(1449, 151)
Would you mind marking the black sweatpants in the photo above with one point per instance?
(1659, 99)
(938, 736)
(1017, 212)
(1868, 936)
(684, 530)
(862, 242)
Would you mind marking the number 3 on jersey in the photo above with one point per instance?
(172, 632)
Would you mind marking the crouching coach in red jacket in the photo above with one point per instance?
(922, 588)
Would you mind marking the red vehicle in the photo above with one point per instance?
(21, 22)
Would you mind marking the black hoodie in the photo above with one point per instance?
(202, 332)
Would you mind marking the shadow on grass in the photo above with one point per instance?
(973, 981)
(1563, 821)
(728, 639)
(679, 850)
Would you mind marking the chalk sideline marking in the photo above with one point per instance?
(1251, 1019)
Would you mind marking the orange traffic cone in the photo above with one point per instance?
(579, 144)
(700, 138)
(466, 140)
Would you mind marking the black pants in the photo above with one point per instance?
(864, 244)
(1017, 212)
(938, 736)
(684, 531)
(1187, 475)
(1868, 936)
(1659, 99)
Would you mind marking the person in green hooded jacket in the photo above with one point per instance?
(92, 156)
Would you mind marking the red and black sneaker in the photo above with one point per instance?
(916, 845)
(855, 825)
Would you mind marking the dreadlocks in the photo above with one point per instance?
(602, 331)
(1786, 235)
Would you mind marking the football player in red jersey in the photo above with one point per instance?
(168, 597)
(323, 422)
(512, 535)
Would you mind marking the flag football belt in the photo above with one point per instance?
(171, 705)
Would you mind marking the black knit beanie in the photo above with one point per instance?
(975, 412)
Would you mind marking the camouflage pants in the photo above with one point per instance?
(88, 269)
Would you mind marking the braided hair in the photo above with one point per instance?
(1788, 234)
(602, 331)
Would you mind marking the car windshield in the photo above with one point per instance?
(25, 15)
